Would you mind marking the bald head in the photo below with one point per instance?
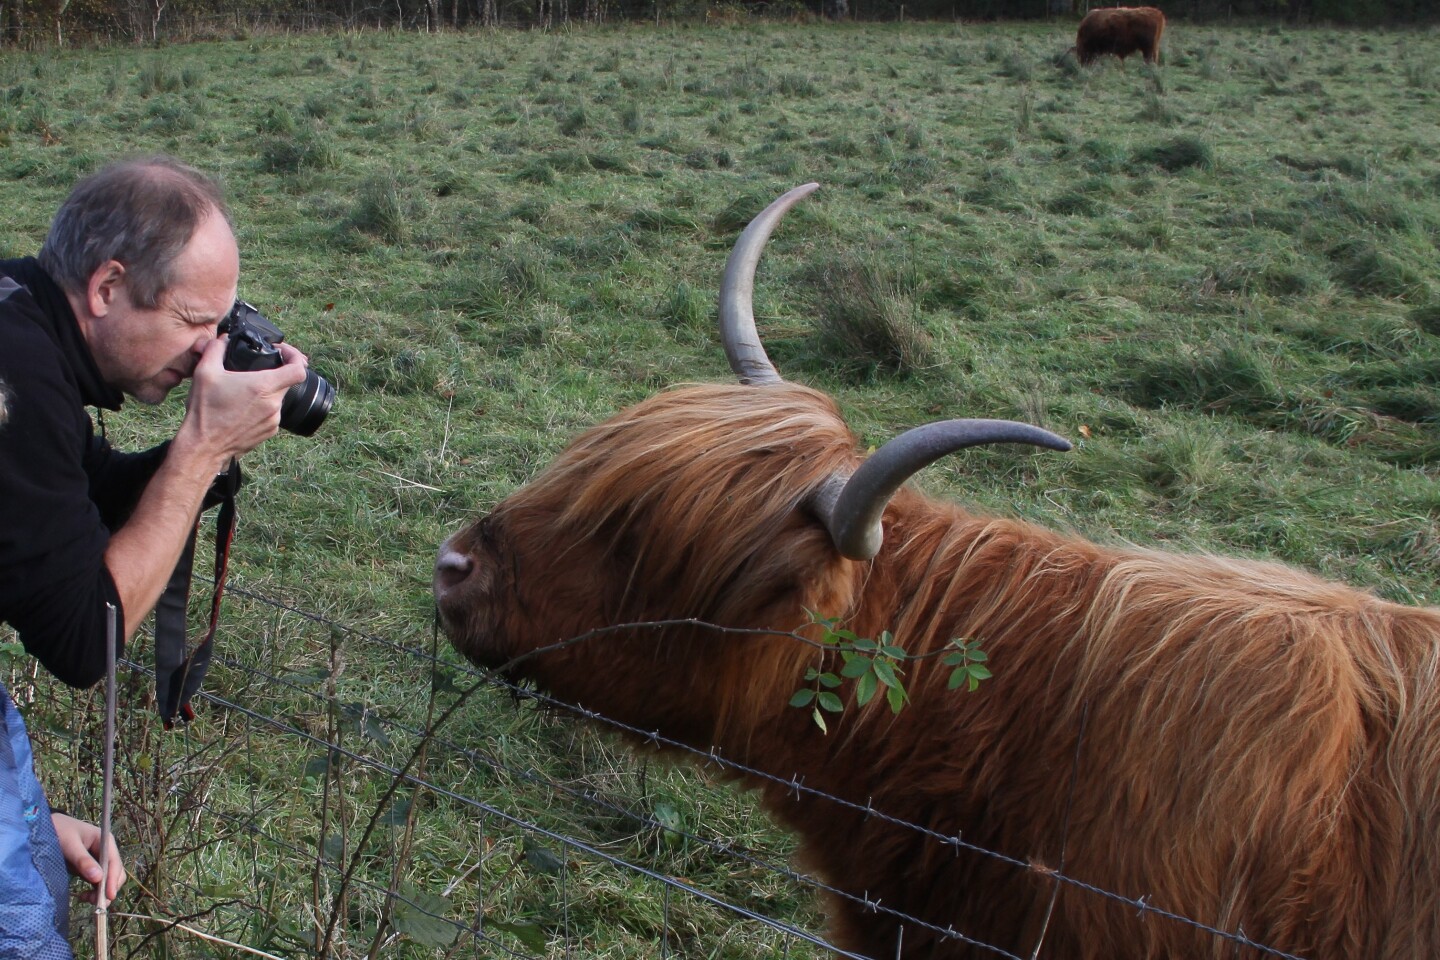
(141, 213)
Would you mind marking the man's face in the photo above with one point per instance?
(147, 352)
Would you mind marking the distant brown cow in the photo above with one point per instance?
(1236, 742)
(1120, 31)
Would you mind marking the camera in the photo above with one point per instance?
(252, 347)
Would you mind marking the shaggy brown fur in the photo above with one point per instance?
(1120, 31)
(1261, 748)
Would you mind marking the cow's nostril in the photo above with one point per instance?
(451, 568)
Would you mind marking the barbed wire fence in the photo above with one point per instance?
(346, 794)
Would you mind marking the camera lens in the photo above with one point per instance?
(306, 405)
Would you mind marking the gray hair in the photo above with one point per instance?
(140, 212)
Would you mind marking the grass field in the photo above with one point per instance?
(1219, 277)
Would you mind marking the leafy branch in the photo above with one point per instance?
(876, 664)
(871, 664)
(969, 662)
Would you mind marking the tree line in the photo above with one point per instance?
(37, 23)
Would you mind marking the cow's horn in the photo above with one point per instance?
(737, 314)
(851, 507)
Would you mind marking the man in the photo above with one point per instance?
(139, 268)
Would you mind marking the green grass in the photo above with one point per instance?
(1219, 277)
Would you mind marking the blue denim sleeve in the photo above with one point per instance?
(34, 887)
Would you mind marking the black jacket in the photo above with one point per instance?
(63, 488)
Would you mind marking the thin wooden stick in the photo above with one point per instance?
(175, 925)
(102, 912)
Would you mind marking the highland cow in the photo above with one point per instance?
(1120, 31)
(1234, 742)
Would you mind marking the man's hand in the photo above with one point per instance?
(230, 413)
(80, 845)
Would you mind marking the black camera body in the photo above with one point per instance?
(252, 346)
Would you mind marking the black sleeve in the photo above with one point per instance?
(54, 584)
(117, 479)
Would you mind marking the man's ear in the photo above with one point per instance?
(105, 284)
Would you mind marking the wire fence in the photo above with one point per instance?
(345, 794)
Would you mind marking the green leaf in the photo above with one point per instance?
(233, 890)
(320, 766)
(528, 932)
(371, 727)
(543, 859)
(855, 667)
(829, 680)
(358, 718)
(802, 698)
(420, 915)
(294, 933)
(979, 672)
(865, 688)
(828, 701)
(668, 816)
(333, 848)
(896, 697)
(977, 655)
(672, 824)
(819, 721)
(398, 813)
(885, 673)
(864, 645)
(443, 681)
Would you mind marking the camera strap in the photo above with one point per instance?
(179, 670)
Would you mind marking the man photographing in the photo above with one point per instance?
(138, 270)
